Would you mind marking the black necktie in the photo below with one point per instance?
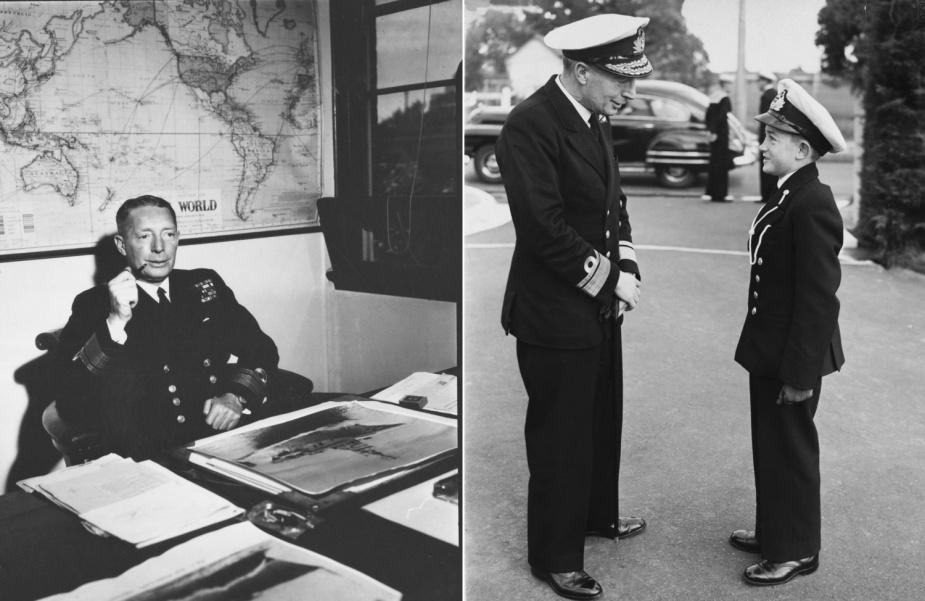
(595, 123)
(163, 304)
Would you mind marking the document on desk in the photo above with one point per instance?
(139, 502)
(334, 446)
(440, 390)
(236, 562)
(419, 508)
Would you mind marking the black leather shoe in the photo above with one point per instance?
(624, 528)
(571, 585)
(767, 573)
(745, 540)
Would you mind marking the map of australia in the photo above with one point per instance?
(211, 105)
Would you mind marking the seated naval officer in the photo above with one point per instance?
(791, 338)
(144, 359)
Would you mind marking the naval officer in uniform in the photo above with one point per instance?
(573, 276)
(144, 358)
(790, 339)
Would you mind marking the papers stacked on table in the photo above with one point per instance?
(140, 503)
(237, 562)
(439, 389)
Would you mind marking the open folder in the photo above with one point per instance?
(329, 450)
(139, 502)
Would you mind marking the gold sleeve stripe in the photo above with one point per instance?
(93, 357)
(254, 381)
(597, 270)
(627, 251)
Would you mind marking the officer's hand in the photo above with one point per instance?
(789, 395)
(223, 412)
(621, 308)
(123, 295)
(628, 290)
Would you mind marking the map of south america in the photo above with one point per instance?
(212, 105)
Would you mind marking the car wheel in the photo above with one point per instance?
(676, 177)
(486, 165)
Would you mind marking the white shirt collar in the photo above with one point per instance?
(582, 111)
(151, 289)
(783, 178)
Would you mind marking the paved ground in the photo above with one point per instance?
(686, 463)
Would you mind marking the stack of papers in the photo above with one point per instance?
(140, 503)
(440, 390)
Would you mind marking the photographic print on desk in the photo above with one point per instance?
(335, 445)
(236, 563)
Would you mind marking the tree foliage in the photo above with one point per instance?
(886, 42)
(675, 53)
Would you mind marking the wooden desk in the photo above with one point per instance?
(44, 550)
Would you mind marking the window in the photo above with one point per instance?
(413, 142)
(636, 107)
(397, 210)
(669, 110)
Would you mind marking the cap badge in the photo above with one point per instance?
(640, 44)
(778, 103)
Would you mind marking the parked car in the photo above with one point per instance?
(662, 130)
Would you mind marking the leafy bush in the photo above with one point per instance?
(878, 46)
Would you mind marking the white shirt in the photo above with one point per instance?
(783, 178)
(117, 333)
(582, 111)
(151, 289)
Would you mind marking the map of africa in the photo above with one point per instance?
(213, 106)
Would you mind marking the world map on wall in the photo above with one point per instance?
(213, 106)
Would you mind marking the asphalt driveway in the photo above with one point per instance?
(686, 452)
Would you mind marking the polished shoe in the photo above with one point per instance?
(767, 573)
(571, 585)
(745, 540)
(624, 528)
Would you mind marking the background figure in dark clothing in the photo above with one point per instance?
(768, 84)
(720, 157)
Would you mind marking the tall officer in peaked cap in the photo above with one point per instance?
(790, 339)
(144, 358)
(573, 276)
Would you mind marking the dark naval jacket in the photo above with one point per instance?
(149, 393)
(569, 213)
(791, 329)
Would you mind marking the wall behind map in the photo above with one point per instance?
(343, 341)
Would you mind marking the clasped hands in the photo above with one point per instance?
(629, 289)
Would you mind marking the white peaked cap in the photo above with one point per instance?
(794, 110)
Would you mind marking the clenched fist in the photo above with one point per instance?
(123, 296)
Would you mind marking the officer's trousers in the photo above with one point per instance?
(573, 428)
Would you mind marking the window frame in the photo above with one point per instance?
(360, 212)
